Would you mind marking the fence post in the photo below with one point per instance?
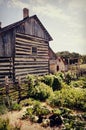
(7, 100)
(19, 89)
(7, 85)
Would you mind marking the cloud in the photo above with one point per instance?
(77, 4)
(51, 11)
(17, 3)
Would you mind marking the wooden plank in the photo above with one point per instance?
(30, 63)
(24, 43)
(22, 52)
(30, 68)
(32, 56)
(31, 37)
(29, 59)
(31, 72)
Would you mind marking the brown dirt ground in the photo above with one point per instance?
(15, 119)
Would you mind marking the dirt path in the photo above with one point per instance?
(15, 119)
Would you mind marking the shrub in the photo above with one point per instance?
(68, 78)
(53, 81)
(35, 111)
(3, 109)
(4, 124)
(48, 79)
(69, 97)
(27, 102)
(40, 92)
(16, 106)
(31, 82)
(56, 84)
(60, 76)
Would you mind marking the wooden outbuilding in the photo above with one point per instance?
(24, 48)
(56, 62)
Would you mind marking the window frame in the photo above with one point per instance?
(34, 50)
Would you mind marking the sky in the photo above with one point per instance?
(65, 20)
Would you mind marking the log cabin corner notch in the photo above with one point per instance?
(24, 48)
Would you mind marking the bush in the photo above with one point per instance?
(53, 81)
(40, 92)
(27, 102)
(48, 79)
(4, 124)
(69, 97)
(56, 84)
(60, 76)
(3, 109)
(16, 106)
(76, 83)
(68, 78)
(35, 111)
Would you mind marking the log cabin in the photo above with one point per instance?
(24, 48)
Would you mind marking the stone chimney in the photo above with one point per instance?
(0, 25)
(25, 13)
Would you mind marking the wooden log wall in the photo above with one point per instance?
(5, 68)
(28, 63)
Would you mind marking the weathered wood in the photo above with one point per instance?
(5, 68)
(25, 61)
(24, 49)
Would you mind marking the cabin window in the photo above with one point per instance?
(34, 50)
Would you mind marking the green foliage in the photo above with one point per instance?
(76, 83)
(53, 81)
(36, 110)
(40, 110)
(3, 109)
(66, 54)
(56, 84)
(84, 59)
(81, 82)
(57, 111)
(60, 76)
(40, 92)
(68, 78)
(16, 106)
(4, 124)
(31, 82)
(48, 79)
(69, 97)
(27, 102)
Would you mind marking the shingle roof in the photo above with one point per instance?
(22, 21)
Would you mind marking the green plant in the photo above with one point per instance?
(16, 106)
(56, 84)
(57, 111)
(35, 111)
(69, 97)
(3, 109)
(53, 81)
(48, 79)
(4, 124)
(60, 75)
(40, 92)
(26, 102)
(68, 78)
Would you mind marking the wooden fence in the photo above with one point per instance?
(15, 92)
